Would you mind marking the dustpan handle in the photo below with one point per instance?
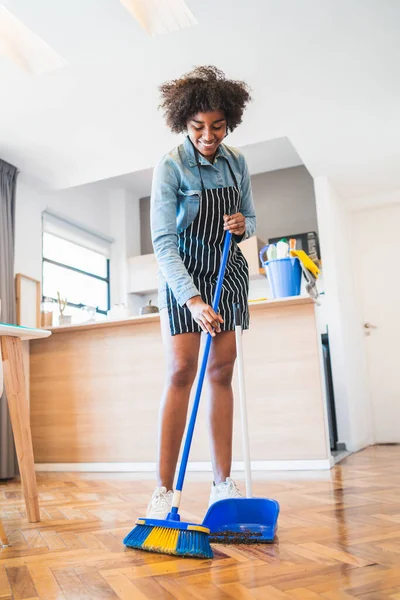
(242, 399)
(196, 402)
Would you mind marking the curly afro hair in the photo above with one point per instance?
(203, 89)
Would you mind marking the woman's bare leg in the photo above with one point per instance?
(182, 353)
(220, 408)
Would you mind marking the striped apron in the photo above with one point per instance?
(200, 247)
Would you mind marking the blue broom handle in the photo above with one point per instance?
(190, 430)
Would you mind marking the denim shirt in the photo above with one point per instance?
(175, 202)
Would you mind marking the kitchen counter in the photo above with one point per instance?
(295, 301)
(96, 388)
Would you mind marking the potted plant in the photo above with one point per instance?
(62, 303)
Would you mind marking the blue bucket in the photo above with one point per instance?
(284, 276)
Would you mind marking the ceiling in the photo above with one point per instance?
(261, 158)
(324, 74)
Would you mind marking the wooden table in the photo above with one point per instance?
(11, 363)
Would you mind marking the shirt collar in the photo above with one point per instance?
(190, 155)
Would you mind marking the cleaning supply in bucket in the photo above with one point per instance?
(307, 262)
(282, 249)
(283, 272)
(284, 276)
(271, 252)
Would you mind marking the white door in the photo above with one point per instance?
(377, 258)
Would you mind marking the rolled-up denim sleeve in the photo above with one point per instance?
(248, 208)
(164, 233)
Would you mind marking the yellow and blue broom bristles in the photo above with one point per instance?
(170, 537)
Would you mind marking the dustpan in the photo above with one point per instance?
(243, 520)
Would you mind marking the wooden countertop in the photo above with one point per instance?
(140, 319)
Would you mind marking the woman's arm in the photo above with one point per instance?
(248, 209)
(164, 234)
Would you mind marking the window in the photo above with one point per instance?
(80, 274)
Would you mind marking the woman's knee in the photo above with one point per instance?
(221, 373)
(182, 372)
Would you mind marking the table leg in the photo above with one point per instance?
(14, 382)
(3, 536)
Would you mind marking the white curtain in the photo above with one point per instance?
(8, 180)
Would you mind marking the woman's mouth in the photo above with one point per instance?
(207, 145)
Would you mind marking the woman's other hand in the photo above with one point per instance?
(235, 223)
(204, 315)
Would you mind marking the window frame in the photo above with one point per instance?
(76, 270)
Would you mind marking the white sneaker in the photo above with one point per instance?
(225, 489)
(160, 503)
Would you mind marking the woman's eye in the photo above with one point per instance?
(197, 128)
(218, 128)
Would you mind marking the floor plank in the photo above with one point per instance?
(338, 539)
(22, 586)
(5, 589)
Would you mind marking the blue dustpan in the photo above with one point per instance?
(242, 520)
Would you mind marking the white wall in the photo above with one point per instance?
(362, 203)
(132, 224)
(344, 318)
(118, 231)
(87, 205)
(97, 207)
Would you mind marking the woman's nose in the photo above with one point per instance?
(208, 135)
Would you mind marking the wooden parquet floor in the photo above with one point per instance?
(338, 539)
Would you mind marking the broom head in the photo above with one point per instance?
(170, 537)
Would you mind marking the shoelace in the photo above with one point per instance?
(160, 500)
(232, 487)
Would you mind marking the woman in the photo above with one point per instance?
(200, 190)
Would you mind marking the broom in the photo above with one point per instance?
(171, 535)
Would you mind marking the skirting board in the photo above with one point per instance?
(341, 455)
(256, 465)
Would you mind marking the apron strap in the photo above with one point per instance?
(233, 174)
(198, 165)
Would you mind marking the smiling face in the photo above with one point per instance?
(206, 131)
